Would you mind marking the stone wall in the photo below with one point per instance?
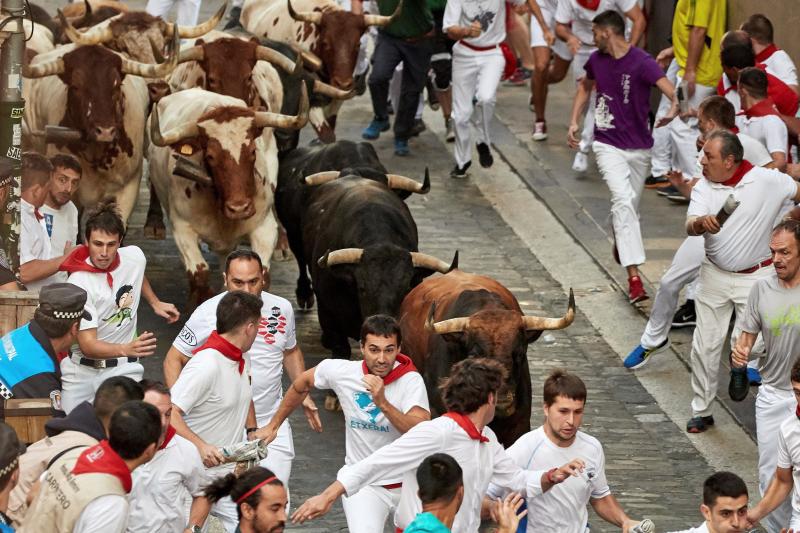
(784, 14)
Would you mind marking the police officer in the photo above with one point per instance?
(10, 450)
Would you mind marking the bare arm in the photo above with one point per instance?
(37, 269)
(608, 509)
(668, 90)
(142, 346)
(173, 364)
(585, 87)
(462, 32)
(697, 36)
(401, 421)
(703, 224)
(293, 398)
(536, 11)
(295, 365)
(199, 511)
(165, 310)
(741, 352)
(564, 33)
(779, 488)
(639, 24)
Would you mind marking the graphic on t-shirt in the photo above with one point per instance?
(188, 336)
(365, 403)
(603, 119)
(48, 222)
(124, 302)
(272, 324)
(788, 317)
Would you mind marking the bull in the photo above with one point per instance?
(233, 199)
(323, 27)
(459, 315)
(100, 97)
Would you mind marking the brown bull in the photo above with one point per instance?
(449, 318)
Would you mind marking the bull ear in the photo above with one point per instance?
(532, 335)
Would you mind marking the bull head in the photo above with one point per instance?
(393, 181)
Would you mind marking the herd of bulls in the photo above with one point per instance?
(218, 122)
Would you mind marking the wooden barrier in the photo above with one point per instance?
(28, 417)
(16, 309)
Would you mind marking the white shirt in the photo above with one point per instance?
(34, 243)
(769, 130)
(563, 507)
(789, 456)
(549, 5)
(162, 486)
(703, 528)
(743, 240)
(62, 227)
(366, 427)
(490, 13)
(113, 309)
(581, 17)
(106, 514)
(480, 462)
(780, 65)
(276, 334)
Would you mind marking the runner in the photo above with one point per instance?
(60, 214)
(724, 506)
(260, 497)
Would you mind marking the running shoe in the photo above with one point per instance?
(484, 155)
(519, 77)
(373, 131)
(540, 131)
(640, 355)
(656, 182)
(678, 198)
(449, 133)
(418, 127)
(636, 292)
(739, 385)
(401, 147)
(699, 424)
(666, 191)
(581, 162)
(685, 317)
(460, 172)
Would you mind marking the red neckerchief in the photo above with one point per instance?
(764, 54)
(764, 108)
(216, 342)
(589, 4)
(797, 412)
(101, 459)
(744, 167)
(76, 262)
(405, 366)
(735, 130)
(38, 214)
(167, 437)
(467, 425)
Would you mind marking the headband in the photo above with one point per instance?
(250, 492)
(9, 467)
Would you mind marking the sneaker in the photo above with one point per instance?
(449, 133)
(519, 77)
(418, 127)
(686, 316)
(739, 385)
(656, 182)
(699, 424)
(639, 356)
(754, 376)
(666, 191)
(540, 131)
(677, 198)
(636, 292)
(401, 147)
(373, 131)
(460, 172)
(581, 162)
(484, 155)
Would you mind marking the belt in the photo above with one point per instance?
(477, 48)
(762, 264)
(102, 363)
(391, 486)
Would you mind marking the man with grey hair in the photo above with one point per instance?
(737, 252)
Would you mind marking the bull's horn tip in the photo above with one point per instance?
(454, 263)
(426, 183)
(322, 262)
(571, 304)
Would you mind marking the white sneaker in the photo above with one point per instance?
(449, 134)
(540, 131)
(581, 162)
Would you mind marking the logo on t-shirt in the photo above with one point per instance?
(188, 336)
(48, 222)
(270, 325)
(366, 404)
(603, 119)
(124, 301)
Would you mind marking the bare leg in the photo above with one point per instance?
(446, 102)
(520, 40)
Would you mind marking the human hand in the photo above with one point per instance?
(312, 508)
(266, 433)
(69, 247)
(142, 346)
(573, 468)
(474, 29)
(574, 44)
(709, 224)
(740, 355)
(376, 388)
(210, 455)
(166, 311)
(507, 512)
(312, 414)
(573, 138)
(549, 36)
(664, 57)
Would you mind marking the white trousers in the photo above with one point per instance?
(624, 172)
(578, 73)
(773, 406)
(280, 454)
(79, 383)
(721, 292)
(475, 74)
(368, 509)
(187, 10)
(680, 153)
(684, 269)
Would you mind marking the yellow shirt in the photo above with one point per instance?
(708, 14)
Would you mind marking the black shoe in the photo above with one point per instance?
(699, 424)
(686, 316)
(485, 155)
(739, 384)
(656, 182)
(460, 172)
(677, 198)
(418, 127)
(666, 191)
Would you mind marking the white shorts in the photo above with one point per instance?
(537, 35)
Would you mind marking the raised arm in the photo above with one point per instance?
(294, 363)
(636, 16)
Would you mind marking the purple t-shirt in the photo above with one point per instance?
(623, 97)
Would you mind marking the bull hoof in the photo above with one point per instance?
(154, 231)
(305, 303)
(332, 403)
(281, 256)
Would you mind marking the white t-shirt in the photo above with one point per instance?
(162, 486)
(743, 240)
(106, 514)
(770, 131)
(703, 528)
(113, 309)
(34, 243)
(581, 17)
(276, 334)
(563, 507)
(481, 463)
(490, 13)
(366, 427)
(789, 457)
(780, 65)
(62, 226)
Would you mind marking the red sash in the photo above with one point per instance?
(467, 425)
(405, 366)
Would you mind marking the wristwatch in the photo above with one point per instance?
(194, 528)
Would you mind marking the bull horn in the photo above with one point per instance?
(192, 32)
(314, 17)
(264, 53)
(332, 92)
(321, 177)
(188, 169)
(543, 323)
(81, 21)
(149, 70)
(266, 119)
(420, 260)
(96, 35)
(383, 20)
(452, 325)
(310, 59)
(403, 183)
(195, 53)
(172, 136)
(40, 70)
(345, 256)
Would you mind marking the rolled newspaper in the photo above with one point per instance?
(727, 209)
(246, 454)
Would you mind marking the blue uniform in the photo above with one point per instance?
(28, 366)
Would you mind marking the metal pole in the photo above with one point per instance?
(12, 107)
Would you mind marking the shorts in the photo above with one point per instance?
(537, 35)
(442, 59)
